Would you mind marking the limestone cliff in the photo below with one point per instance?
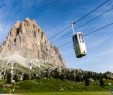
(26, 42)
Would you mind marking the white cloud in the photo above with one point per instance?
(108, 51)
(99, 42)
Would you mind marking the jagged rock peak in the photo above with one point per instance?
(27, 39)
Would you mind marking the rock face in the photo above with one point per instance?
(26, 39)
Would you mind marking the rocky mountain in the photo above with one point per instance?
(26, 44)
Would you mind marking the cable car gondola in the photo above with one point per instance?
(79, 45)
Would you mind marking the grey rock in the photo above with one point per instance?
(27, 39)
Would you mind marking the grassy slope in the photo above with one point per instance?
(53, 85)
(2, 81)
(57, 87)
(71, 93)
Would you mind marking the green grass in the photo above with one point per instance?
(3, 90)
(2, 81)
(70, 93)
(53, 85)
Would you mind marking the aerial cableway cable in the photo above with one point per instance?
(87, 22)
(65, 44)
(98, 29)
(95, 18)
(59, 32)
(79, 19)
(91, 12)
(87, 34)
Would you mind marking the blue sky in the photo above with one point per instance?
(54, 15)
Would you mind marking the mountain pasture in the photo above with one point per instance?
(71, 93)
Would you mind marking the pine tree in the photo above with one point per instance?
(101, 82)
(15, 78)
(8, 78)
(26, 77)
(78, 78)
(87, 82)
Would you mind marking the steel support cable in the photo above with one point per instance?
(91, 12)
(98, 29)
(95, 18)
(65, 44)
(86, 22)
(87, 34)
(59, 32)
(79, 19)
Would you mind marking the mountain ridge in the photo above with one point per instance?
(26, 39)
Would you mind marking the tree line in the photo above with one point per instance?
(74, 75)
